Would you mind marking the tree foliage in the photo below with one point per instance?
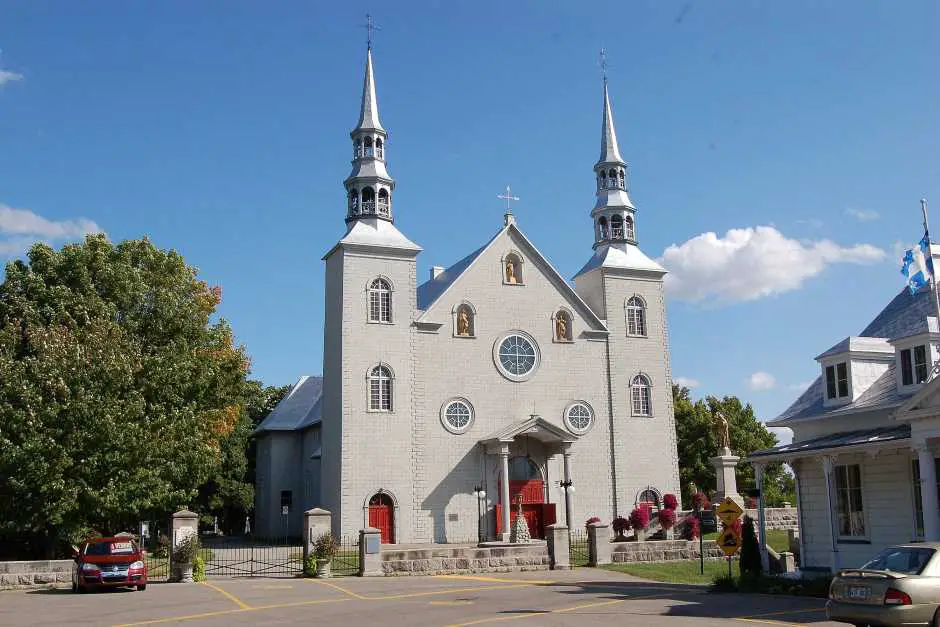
(698, 443)
(118, 390)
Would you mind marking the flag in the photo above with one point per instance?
(917, 265)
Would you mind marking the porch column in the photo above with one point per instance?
(504, 488)
(762, 527)
(928, 492)
(828, 462)
(566, 456)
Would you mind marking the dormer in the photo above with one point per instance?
(851, 366)
(915, 355)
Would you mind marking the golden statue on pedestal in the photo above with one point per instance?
(510, 272)
(561, 327)
(463, 323)
(721, 430)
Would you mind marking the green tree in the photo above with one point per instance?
(697, 443)
(117, 388)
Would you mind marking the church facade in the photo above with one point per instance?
(494, 386)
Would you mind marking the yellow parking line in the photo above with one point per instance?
(175, 619)
(761, 618)
(562, 610)
(415, 595)
(339, 588)
(241, 604)
(495, 579)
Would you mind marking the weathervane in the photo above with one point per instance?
(370, 27)
(508, 197)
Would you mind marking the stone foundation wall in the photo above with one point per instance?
(661, 551)
(443, 561)
(38, 573)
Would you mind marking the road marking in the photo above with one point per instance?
(272, 587)
(231, 597)
(415, 595)
(175, 619)
(760, 618)
(496, 579)
(562, 610)
(339, 588)
(451, 603)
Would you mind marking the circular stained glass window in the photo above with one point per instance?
(457, 415)
(517, 356)
(579, 418)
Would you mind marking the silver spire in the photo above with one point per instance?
(610, 152)
(369, 111)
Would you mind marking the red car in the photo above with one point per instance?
(108, 563)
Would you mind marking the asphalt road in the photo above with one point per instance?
(580, 597)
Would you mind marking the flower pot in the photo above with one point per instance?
(640, 535)
(186, 573)
(668, 534)
(323, 568)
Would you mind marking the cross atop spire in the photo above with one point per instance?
(603, 63)
(370, 27)
(509, 198)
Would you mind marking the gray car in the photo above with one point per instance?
(901, 586)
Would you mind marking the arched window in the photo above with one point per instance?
(368, 147)
(562, 331)
(616, 227)
(464, 321)
(383, 202)
(648, 499)
(379, 148)
(358, 148)
(631, 233)
(640, 394)
(603, 180)
(611, 178)
(380, 389)
(621, 180)
(353, 202)
(636, 317)
(603, 227)
(523, 469)
(368, 200)
(380, 301)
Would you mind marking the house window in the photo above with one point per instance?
(837, 381)
(636, 317)
(640, 393)
(917, 492)
(380, 389)
(850, 513)
(914, 367)
(287, 498)
(380, 301)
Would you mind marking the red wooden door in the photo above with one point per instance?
(381, 517)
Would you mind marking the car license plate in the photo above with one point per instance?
(859, 593)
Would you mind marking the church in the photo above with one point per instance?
(493, 386)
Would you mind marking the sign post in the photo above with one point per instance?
(728, 539)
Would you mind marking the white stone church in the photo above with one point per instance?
(495, 375)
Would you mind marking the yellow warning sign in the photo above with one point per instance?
(729, 541)
(729, 511)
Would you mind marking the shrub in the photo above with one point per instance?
(591, 521)
(640, 518)
(700, 501)
(186, 550)
(310, 565)
(325, 547)
(620, 525)
(667, 518)
(199, 569)
(691, 529)
(750, 550)
(670, 501)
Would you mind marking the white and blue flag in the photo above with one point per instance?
(917, 265)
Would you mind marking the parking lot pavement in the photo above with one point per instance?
(556, 598)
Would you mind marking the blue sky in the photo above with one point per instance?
(806, 129)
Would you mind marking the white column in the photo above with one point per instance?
(762, 527)
(928, 492)
(504, 489)
(799, 512)
(828, 462)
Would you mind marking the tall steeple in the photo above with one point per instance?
(613, 213)
(369, 187)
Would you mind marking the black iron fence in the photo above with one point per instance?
(346, 560)
(579, 553)
(251, 557)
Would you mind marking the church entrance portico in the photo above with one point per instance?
(523, 449)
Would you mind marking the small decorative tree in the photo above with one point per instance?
(640, 520)
(667, 518)
(324, 550)
(184, 554)
(670, 501)
(700, 502)
(621, 525)
(690, 528)
(750, 549)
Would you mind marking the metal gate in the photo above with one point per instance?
(578, 548)
(251, 557)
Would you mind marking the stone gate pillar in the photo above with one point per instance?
(559, 556)
(370, 552)
(316, 522)
(598, 544)
(183, 524)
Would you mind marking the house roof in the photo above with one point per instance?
(840, 440)
(905, 315)
(431, 290)
(624, 256)
(859, 345)
(298, 410)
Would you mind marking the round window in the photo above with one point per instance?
(517, 356)
(457, 415)
(579, 418)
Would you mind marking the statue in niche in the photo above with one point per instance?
(561, 327)
(510, 272)
(463, 323)
(724, 436)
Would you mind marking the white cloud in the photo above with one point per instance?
(752, 263)
(761, 381)
(20, 228)
(862, 215)
(6, 76)
(685, 382)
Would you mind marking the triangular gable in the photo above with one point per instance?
(453, 275)
(927, 397)
(533, 424)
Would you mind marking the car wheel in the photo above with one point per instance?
(81, 589)
(936, 619)
(141, 587)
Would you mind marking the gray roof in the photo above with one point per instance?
(298, 410)
(838, 440)
(905, 315)
(431, 290)
(610, 151)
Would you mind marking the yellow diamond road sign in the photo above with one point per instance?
(729, 541)
(729, 511)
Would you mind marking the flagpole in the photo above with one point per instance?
(933, 281)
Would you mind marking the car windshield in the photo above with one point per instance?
(908, 560)
(110, 547)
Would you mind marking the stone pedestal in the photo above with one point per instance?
(559, 556)
(370, 552)
(724, 472)
(184, 524)
(598, 544)
(316, 522)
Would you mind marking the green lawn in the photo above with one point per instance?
(685, 571)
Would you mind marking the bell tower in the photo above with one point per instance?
(613, 213)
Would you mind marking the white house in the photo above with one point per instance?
(865, 439)
(495, 375)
